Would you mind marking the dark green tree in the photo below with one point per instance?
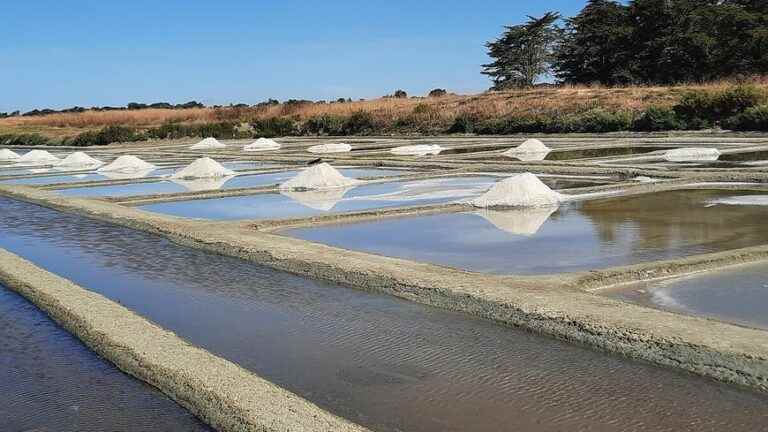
(523, 53)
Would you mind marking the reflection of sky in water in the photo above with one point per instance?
(578, 237)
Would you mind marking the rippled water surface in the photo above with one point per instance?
(379, 361)
(49, 381)
(582, 236)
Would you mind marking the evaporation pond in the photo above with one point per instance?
(564, 154)
(383, 362)
(576, 237)
(738, 294)
(50, 381)
(183, 185)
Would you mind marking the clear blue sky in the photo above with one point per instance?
(61, 53)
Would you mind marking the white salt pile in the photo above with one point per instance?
(127, 164)
(530, 150)
(643, 179)
(323, 200)
(320, 176)
(38, 157)
(80, 160)
(417, 150)
(521, 221)
(203, 168)
(202, 184)
(8, 155)
(208, 144)
(330, 148)
(262, 144)
(521, 190)
(692, 154)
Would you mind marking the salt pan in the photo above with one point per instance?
(208, 144)
(203, 168)
(262, 144)
(320, 176)
(521, 190)
(330, 148)
(8, 155)
(202, 184)
(417, 150)
(323, 200)
(521, 221)
(530, 150)
(127, 164)
(692, 154)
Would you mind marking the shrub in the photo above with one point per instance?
(325, 124)
(464, 123)
(274, 127)
(108, 135)
(657, 119)
(598, 120)
(171, 131)
(216, 130)
(437, 93)
(359, 123)
(24, 140)
(401, 94)
(701, 109)
(752, 119)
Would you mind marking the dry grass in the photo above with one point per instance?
(551, 100)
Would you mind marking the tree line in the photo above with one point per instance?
(639, 42)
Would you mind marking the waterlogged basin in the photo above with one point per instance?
(563, 155)
(738, 295)
(238, 182)
(583, 236)
(379, 361)
(49, 381)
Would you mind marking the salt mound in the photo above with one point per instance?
(127, 164)
(262, 144)
(323, 200)
(530, 150)
(417, 150)
(330, 148)
(6, 155)
(203, 168)
(207, 144)
(320, 176)
(202, 184)
(643, 179)
(80, 159)
(521, 190)
(522, 221)
(692, 154)
(39, 157)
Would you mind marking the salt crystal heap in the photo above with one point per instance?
(521, 190)
(320, 176)
(208, 144)
(530, 150)
(330, 148)
(692, 154)
(38, 157)
(203, 168)
(417, 150)
(8, 155)
(127, 164)
(262, 144)
(80, 160)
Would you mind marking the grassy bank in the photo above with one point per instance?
(730, 105)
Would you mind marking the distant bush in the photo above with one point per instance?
(108, 135)
(401, 94)
(326, 124)
(24, 140)
(657, 119)
(701, 109)
(222, 130)
(359, 123)
(752, 119)
(274, 127)
(598, 120)
(464, 123)
(438, 92)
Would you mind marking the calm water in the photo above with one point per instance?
(589, 235)
(366, 197)
(49, 381)
(243, 181)
(561, 155)
(389, 364)
(738, 295)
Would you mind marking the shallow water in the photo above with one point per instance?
(738, 295)
(562, 155)
(242, 181)
(379, 361)
(577, 237)
(49, 381)
(73, 178)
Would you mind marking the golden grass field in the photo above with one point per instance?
(441, 110)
